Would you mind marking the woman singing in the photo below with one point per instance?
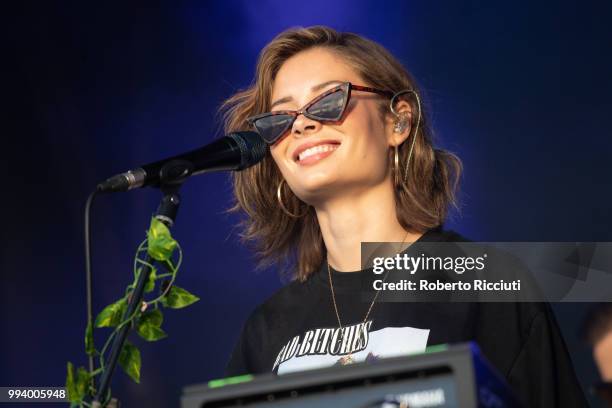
(351, 160)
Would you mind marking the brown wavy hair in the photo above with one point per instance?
(296, 244)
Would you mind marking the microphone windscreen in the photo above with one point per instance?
(252, 148)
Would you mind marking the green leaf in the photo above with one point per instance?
(78, 385)
(82, 383)
(90, 348)
(112, 314)
(129, 360)
(71, 384)
(178, 298)
(151, 333)
(160, 243)
(150, 285)
(149, 326)
(152, 317)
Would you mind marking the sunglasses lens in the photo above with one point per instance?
(330, 107)
(272, 127)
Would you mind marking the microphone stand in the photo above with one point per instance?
(171, 182)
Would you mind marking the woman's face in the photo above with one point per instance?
(349, 157)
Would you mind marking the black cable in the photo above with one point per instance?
(88, 281)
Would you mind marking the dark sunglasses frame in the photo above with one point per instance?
(346, 87)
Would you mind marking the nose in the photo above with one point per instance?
(303, 126)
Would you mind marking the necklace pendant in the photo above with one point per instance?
(346, 360)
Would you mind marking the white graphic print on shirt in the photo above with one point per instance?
(324, 347)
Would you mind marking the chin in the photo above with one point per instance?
(314, 187)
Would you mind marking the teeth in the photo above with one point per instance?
(316, 150)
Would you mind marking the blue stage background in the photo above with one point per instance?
(519, 90)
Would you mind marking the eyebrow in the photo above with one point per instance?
(313, 89)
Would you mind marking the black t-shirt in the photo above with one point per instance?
(297, 328)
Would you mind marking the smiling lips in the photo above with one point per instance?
(315, 153)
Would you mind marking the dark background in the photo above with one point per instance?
(519, 90)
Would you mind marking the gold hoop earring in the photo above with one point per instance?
(396, 169)
(282, 206)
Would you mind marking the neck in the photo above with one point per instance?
(347, 220)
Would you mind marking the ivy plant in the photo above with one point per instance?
(147, 320)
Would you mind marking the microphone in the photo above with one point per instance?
(236, 151)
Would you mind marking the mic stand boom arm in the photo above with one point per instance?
(166, 213)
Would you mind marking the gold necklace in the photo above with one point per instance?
(348, 359)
